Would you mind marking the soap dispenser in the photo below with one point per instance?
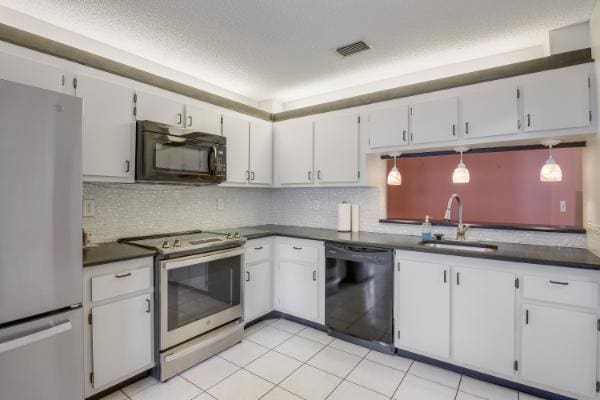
(426, 229)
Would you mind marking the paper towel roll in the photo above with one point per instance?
(344, 217)
(355, 218)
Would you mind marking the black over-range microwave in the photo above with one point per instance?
(173, 154)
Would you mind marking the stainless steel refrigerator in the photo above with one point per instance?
(41, 321)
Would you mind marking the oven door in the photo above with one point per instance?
(199, 293)
(175, 158)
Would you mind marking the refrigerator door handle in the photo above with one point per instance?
(35, 337)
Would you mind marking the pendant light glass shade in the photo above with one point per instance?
(394, 177)
(550, 171)
(461, 173)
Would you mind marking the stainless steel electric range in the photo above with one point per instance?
(198, 281)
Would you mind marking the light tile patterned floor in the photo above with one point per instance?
(283, 360)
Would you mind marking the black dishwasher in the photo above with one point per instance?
(359, 294)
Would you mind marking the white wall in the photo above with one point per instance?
(591, 155)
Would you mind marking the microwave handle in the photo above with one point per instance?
(212, 160)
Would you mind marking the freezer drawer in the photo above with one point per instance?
(43, 358)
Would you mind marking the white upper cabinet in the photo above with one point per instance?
(483, 332)
(434, 121)
(108, 128)
(32, 73)
(556, 100)
(202, 119)
(336, 149)
(237, 132)
(422, 307)
(559, 348)
(388, 127)
(261, 153)
(159, 109)
(490, 112)
(294, 147)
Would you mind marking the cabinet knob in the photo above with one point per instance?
(127, 166)
(189, 121)
(148, 306)
(179, 119)
(315, 276)
(247, 276)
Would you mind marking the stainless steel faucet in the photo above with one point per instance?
(461, 229)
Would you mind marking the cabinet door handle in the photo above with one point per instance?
(127, 165)
(315, 276)
(297, 248)
(445, 276)
(559, 283)
(123, 275)
(258, 248)
(526, 317)
(404, 135)
(458, 279)
(189, 120)
(247, 175)
(466, 128)
(319, 174)
(528, 119)
(179, 119)
(148, 306)
(247, 276)
(309, 175)
(252, 175)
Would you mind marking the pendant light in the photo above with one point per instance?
(394, 178)
(461, 173)
(551, 171)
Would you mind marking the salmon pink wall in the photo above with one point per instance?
(504, 188)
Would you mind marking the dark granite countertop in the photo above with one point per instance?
(105, 253)
(547, 255)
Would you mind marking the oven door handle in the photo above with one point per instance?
(207, 257)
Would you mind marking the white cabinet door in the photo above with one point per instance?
(423, 307)
(484, 319)
(336, 149)
(261, 153)
(388, 127)
(434, 121)
(237, 132)
(490, 112)
(257, 290)
(27, 72)
(155, 108)
(202, 119)
(298, 290)
(556, 102)
(559, 349)
(294, 148)
(121, 338)
(108, 128)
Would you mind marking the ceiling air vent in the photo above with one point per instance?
(353, 48)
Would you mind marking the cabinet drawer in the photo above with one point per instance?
(257, 252)
(557, 290)
(299, 252)
(119, 283)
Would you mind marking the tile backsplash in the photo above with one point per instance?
(138, 209)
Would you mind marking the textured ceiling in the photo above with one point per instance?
(284, 49)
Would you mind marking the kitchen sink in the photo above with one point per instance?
(459, 245)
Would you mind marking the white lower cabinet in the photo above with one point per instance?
(118, 303)
(258, 279)
(463, 311)
(299, 278)
(483, 333)
(559, 348)
(121, 341)
(422, 304)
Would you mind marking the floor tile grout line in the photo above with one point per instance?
(347, 375)
(403, 378)
(458, 388)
